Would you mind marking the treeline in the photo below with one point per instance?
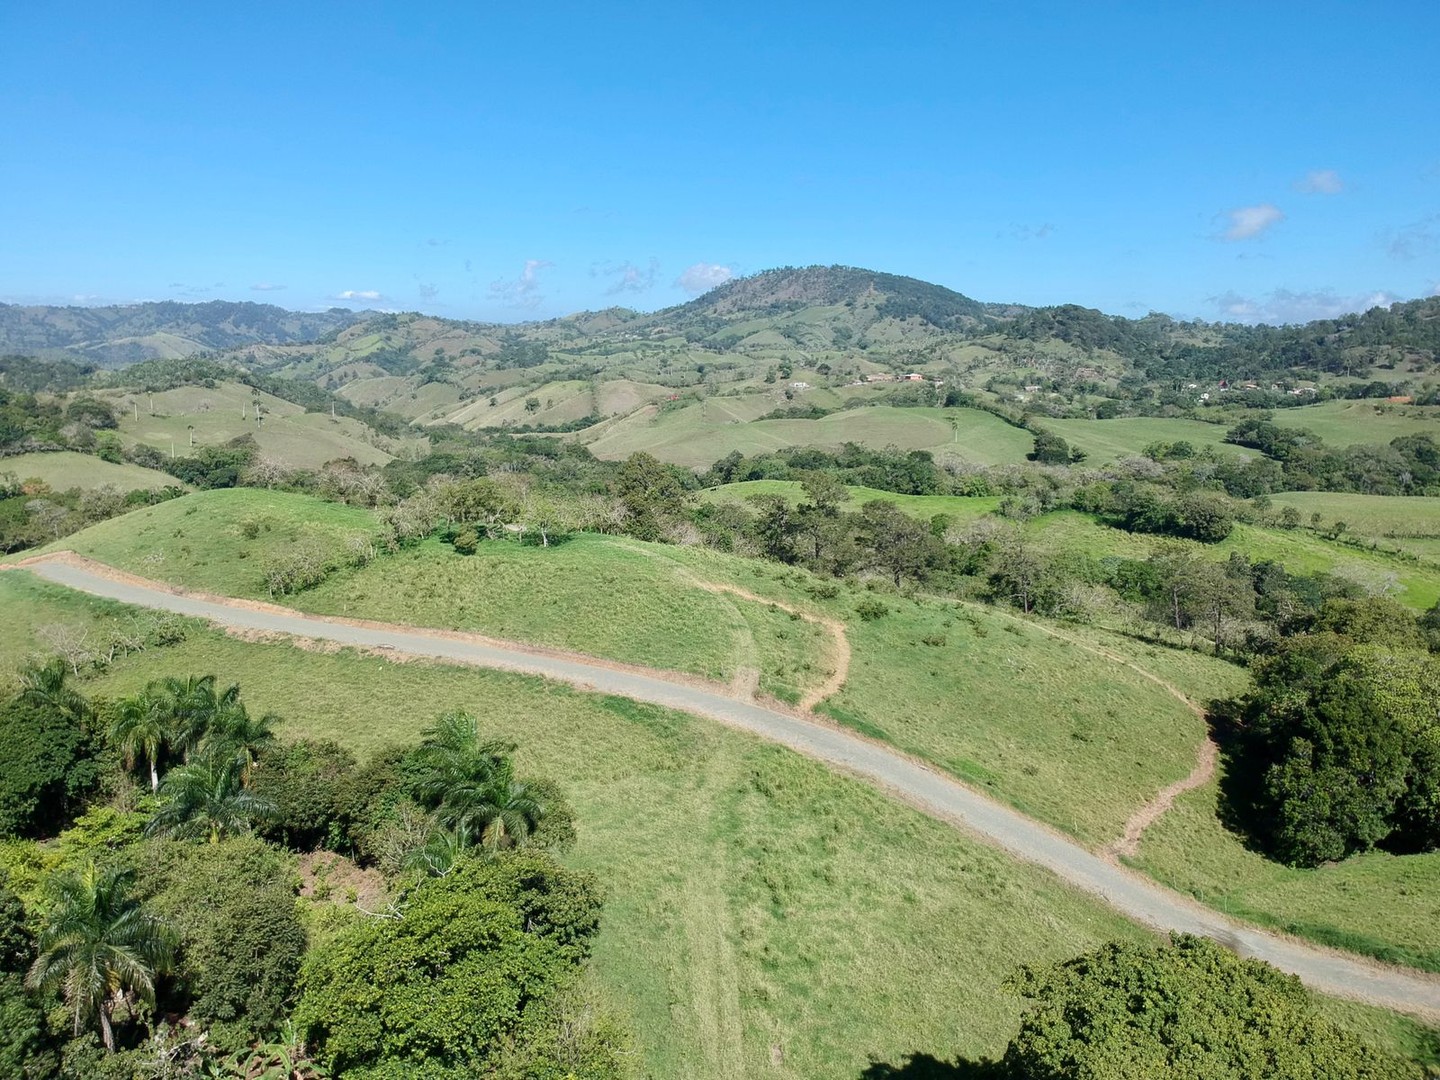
(150, 924)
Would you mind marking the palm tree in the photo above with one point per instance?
(442, 849)
(471, 784)
(235, 732)
(97, 945)
(47, 684)
(453, 758)
(191, 705)
(141, 728)
(206, 798)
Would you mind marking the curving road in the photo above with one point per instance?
(922, 787)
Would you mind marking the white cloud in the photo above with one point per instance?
(523, 291)
(703, 276)
(627, 277)
(1247, 222)
(1320, 182)
(359, 294)
(266, 286)
(1287, 306)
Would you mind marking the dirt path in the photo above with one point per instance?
(904, 778)
(1206, 758)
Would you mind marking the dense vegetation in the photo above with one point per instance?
(160, 912)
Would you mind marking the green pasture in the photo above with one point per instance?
(699, 435)
(1391, 517)
(961, 508)
(1381, 904)
(286, 433)
(67, 469)
(1105, 440)
(1348, 423)
(200, 541)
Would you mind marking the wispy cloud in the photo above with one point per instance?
(1031, 232)
(1414, 241)
(367, 295)
(1287, 306)
(523, 291)
(429, 290)
(702, 277)
(1248, 222)
(626, 277)
(266, 286)
(1320, 182)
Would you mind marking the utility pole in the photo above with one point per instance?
(136, 405)
(191, 429)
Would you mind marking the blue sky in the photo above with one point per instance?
(1274, 161)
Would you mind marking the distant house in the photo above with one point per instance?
(913, 376)
(1032, 389)
(881, 376)
(799, 386)
(1400, 399)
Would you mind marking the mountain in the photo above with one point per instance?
(124, 334)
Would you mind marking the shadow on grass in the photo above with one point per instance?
(1241, 778)
(928, 1067)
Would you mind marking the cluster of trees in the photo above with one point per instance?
(158, 932)
(1337, 748)
(1409, 465)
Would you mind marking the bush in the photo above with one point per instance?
(476, 958)
(46, 771)
(312, 784)
(1191, 1009)
(871, 609)
(232, 905)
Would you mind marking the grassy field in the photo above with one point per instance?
(1300, 550)
(1105, 440)
(288, 433)
(1348, 423)
(200, 541)
(66, 469)
(1410, 523)
(763, 916)
(699, 435)
(960, 508)
(1384, 905)
(590, 594)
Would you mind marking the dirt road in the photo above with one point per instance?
(905, 779)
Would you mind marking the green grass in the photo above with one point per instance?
(199, 541)
(288, 433)
(39, 605)
(763, 915)
(66, 469)
(1105, 440)
(961, 508)
(1380, 904)
(590, 594)
(699, 435)
(1410, 523)
(1348, 423)
(1300, 550)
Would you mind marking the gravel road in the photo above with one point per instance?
(937, 795)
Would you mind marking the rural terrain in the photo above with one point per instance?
(848, 653)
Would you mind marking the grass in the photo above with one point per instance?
(1300, 550)
(1380, 904)
(288, 433)
(1410, 523)
(1349, 423)
(699, 435)
(67, 469)
(959, 507)
(590, 594)
(1105, 440)
(763, 915)
(200, 542)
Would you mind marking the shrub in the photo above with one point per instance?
(871, 609)
(47, 769)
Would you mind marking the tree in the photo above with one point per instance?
(48, 685)
(899, 544)
(47, 768)
(1191, 1009)
(652, 494)
(233, 911)
(97, 946)
(470, 784)
(141, 729)
(1050, 449)
(190, 705)
(207, 798)
(472, 959)
(310, 783)
(233, 731)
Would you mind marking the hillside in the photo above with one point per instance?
(123, 334)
